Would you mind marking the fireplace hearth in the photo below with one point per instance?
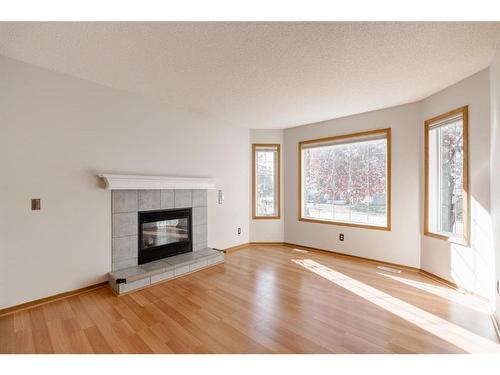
(157, 234)
(128, 205)
(164, 233)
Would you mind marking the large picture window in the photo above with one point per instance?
(266, 181)
(345, 180)
(446, 180)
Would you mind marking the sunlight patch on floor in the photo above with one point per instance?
(466, 300)
(433, 324)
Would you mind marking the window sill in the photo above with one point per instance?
(457, 241)
(340, 223)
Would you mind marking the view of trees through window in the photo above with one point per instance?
(446, 177)
(266, 159)
(346, 182)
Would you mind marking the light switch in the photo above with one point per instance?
(220, 198)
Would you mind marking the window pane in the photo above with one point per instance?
(446, 178)
(266, 181)
(346, 182)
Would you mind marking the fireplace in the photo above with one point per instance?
(164, 233)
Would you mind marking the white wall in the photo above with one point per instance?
(470, 267)
(57, 132)
(268, 230)
(402, 244)
(495, 164)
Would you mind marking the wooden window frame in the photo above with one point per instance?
(465, 241)
(255, 146)
(387, 133)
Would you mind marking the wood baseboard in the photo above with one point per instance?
(239, 247)
(408, 268)
(235, 248)
(43, 301)
(370, 260)
(267, 243)
(440, 280)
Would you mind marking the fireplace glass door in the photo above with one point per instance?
(164, 233)
(159, 233)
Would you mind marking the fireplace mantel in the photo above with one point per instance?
(138, 182)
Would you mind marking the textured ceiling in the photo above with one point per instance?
(261, 75)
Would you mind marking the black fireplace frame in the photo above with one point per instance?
(171, 249)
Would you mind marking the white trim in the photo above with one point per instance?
(496, 326)
(137, 182)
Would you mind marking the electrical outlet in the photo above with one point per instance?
(239, 230)
(35, 204)
(341, 237)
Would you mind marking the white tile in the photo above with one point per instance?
(127, 287)
(197, 265)
(167, 199)
(217, 259)
(123, 201)
(128, 272)
(199, 215)
(179, 259)
(112, 283)
(124, 224)
(162, 276)
(208, 251)
(197, 247)
(181, 270)
(125, 263)
(183, 198)
(149, 200)
(124, 248)
(199, 198)
(157, 266)
(199, 234)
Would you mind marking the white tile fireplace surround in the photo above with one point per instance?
(126, 203)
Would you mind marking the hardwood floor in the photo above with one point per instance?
(264, 299)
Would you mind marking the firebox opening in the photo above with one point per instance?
(164, 233)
